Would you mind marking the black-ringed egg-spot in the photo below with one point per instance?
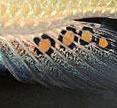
(86, 36)
(44, 43)
(68, 36)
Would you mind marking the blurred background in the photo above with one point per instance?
(18, 95)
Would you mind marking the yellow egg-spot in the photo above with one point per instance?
(68, 38)
(13, 9)
(44, 45)
(37, 10)
(103, 42)
(31, 2)
(2, 8)
(25, 9)
(86, 36)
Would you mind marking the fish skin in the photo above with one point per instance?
(83, 65)
(26, 16)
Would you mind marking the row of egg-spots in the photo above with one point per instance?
(46, 42)
(86, 36)
(68, 37)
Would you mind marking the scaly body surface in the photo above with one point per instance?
(69, 44)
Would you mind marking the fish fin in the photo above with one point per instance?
(110, 23)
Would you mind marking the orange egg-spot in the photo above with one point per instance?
(86, 36)
(103, 42)
(44, 45)
(68, 38)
